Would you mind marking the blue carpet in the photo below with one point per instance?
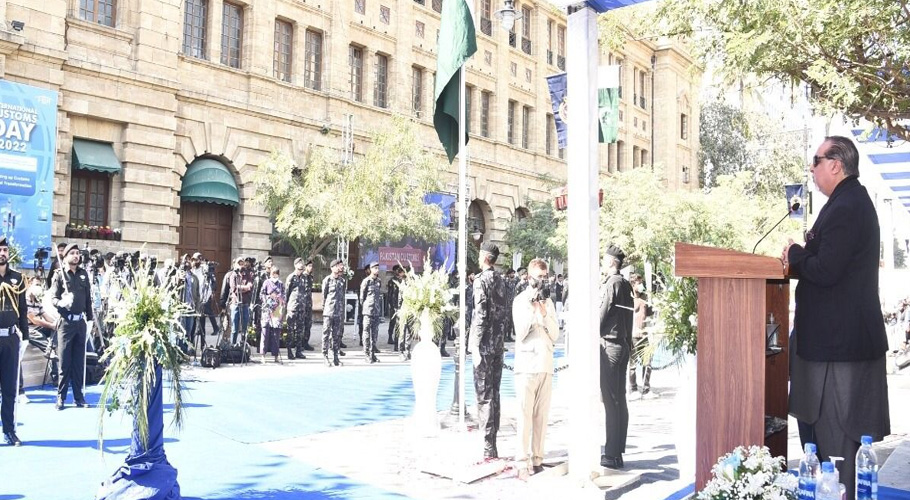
(216, 453)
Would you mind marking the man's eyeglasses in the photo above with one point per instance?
(817, 159)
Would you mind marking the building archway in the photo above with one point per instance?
(477, 221)
(208, 196)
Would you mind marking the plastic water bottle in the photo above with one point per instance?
(866, 471)
(843, 489)
(828, 487)
(808, 473)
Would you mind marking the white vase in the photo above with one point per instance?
(684, 419)
(426, 368)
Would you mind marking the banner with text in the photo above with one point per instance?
(28, 149)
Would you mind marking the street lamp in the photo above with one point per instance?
(508, 15)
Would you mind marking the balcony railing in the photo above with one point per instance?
(550, 57)
(526, 45)
(642, 102)
(437, 5)
(486, 26)
(513, 39)
(561, 62)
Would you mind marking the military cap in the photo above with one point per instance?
(69, 247)
(616, 252)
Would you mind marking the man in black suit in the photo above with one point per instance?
(839, 387)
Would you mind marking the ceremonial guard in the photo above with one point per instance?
(371, 308)
(333, 290)
(488, 326)
(394, 295)
(71, 295)
(13, 317)
(299, 289)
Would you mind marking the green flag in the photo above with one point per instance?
(608, 103)
(457, 42)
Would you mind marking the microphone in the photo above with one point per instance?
(794, 207)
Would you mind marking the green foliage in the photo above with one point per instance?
(540, 234)
(425, 298)
(733, 141)
(378, 197)
(646, 221)
(852, 53)
(147, 329)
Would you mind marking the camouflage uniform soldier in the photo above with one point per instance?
(510, 283)
(295, 291)
(371, 307)
(488, 325)
(306, 290)
(333, 289)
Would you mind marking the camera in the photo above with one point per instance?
(211, 266)
(42, 252)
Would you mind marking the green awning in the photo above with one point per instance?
(209, 181)
(95, 156)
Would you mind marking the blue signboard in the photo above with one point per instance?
(28, 149)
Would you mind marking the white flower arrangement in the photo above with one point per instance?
(750, 474)
(425, 297)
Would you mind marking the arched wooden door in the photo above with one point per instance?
(206, 228)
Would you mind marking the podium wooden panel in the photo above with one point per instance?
(739, 383)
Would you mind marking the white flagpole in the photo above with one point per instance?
(462, 241)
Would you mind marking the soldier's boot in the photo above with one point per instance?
(298, 353)
(290, 353)
(336, 361)
(373, 359)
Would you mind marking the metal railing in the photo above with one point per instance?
(561, 62)
(486, 26)
(526, 45)
(550, 57)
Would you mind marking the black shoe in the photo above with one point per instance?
(59, 406)
(391, 341)
(611, 462)
(374, 359)
(342, 353)
(344, 346)
(490, 452)
(290, 355)
(537, 469)
(299, 354)
(336, 362)
(11, 438)
(375, 349)
(80, 403)
(445, 354)
(395, 348)
(308, 347)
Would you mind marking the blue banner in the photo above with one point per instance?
(795, 194)
(28, 149)
(557, 84)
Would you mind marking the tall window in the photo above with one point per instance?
(641, 86)
(525, 126)
(550, 28)
(619, 63)
(635, 157)
(486, 17)
(561, 48)
(485, 114)
(284, 35)
(231, 33)
(194, 20)
(89, 195)
(684, 127)
(355, 57)
(312, 71)
(417, 91)
(97, 11)
(526, 22)
(550, 134)
(510, 124)
(468, 96)
(381, 88)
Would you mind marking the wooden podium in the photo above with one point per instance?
(740, 382)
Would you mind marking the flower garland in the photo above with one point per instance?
(147, 329)
(425, 295)
(750, 474)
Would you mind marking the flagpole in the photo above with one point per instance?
(462, 241)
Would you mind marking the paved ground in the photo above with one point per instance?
(388, 454)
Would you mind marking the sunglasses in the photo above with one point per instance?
(817, 159)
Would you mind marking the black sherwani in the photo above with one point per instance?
(839, 388)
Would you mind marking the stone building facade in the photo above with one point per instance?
(200, 91)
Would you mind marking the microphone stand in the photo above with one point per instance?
(792, 209)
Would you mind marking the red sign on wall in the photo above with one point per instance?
(408, 255)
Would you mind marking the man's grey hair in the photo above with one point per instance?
(843, 149)
(538, 264)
